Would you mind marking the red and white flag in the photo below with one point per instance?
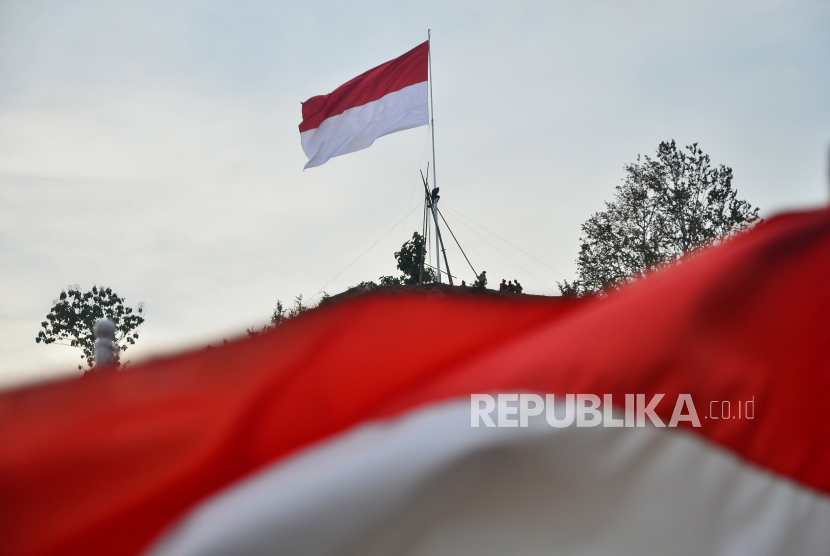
(391, 97)
(349, 430)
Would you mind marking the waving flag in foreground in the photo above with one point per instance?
(347, 431)
(391, 97)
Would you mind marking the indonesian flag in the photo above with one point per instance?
(391, 97)
(352, 430)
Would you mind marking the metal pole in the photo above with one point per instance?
(426, 238)
(434, 180)
(437, 242)
(424, 226)
(423, 245)
(443, 250)
(456, 242)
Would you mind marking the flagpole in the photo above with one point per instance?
(434, 180)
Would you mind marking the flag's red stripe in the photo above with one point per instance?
(103, 465)
(394, 75)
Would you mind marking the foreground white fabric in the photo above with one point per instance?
(333, 432)
(428, 484)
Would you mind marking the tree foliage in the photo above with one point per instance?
(281, 315)
(665, 208)
(384, 281)
(73, 315)
(411, 262)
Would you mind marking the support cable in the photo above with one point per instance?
(433, 203)
(507, 242)
(506, 192)
(444, 271)
(441, 241)
(456, 242)
(508, 257)
(424, 240)
(473, 247)
(359, 256)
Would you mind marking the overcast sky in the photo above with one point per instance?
(153, 146)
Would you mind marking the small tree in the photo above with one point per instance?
(73, 315)
(386, 281)
(294, 311)
(280, 314)
(411, 263)
(665, 208)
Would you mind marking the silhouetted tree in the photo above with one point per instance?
(280, 314)
(71, 320)
(411, 262)
(665, 208)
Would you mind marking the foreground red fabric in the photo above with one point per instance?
(104, 465)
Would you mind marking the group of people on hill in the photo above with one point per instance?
(510, 286)
(481, 282)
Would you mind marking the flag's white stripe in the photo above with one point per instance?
(428, 483)
(357, 128)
